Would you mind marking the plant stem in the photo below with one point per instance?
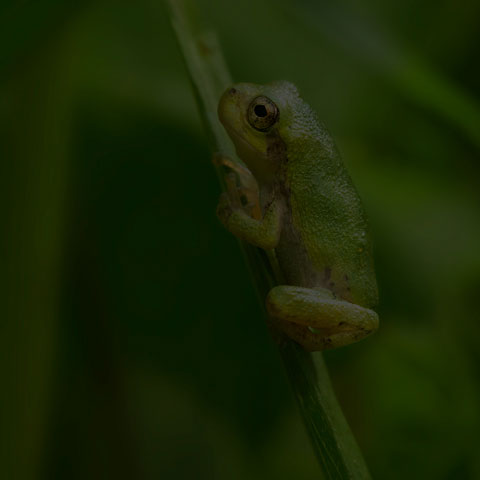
(332, 440)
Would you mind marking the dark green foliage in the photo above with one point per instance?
(132, 345)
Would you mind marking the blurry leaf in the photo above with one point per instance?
(411, 74)
(24, 25)
(35, 138)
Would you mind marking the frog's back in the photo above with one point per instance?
(330, 227)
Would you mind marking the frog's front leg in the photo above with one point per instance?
(242, 188)
(263, 233)
(315, 319)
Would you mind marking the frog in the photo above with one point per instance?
(310, 217)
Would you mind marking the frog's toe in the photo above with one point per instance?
(318, 339)
(224, 208)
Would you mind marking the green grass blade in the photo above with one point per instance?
(332, 440)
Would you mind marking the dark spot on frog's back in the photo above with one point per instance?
(232, 91)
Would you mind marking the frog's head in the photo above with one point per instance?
(260, 120)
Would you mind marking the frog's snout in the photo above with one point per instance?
(228, 106)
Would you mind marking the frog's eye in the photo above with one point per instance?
(262, 113)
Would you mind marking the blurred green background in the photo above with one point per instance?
(132, 344)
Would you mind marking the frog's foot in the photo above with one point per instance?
(228, 164)
(242, 188)
(224, 208)
(316, 319)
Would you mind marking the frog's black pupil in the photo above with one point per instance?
(260, 111)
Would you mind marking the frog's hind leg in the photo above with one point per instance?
(316, 319)
(314, 340)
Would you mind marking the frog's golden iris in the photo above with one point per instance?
(262, 113)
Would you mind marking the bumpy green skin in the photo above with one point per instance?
(312, 218)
